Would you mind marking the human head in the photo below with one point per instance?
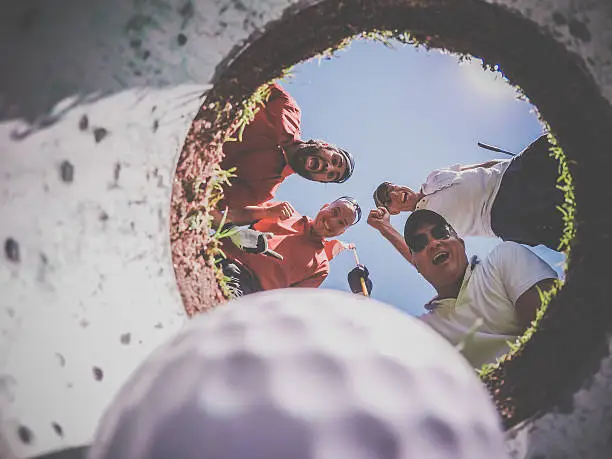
(334, 218)
(321, 162)
(395, 198)
(437, 251)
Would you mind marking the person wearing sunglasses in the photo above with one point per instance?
(287, 252)
(515, 200)
(480, 306)
(269, 150)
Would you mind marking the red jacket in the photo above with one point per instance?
(306, 255)
(261, 164)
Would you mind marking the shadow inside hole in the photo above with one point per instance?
(530, 382)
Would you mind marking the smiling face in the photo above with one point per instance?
(396, 198)
(319, 164)
(439, 255)
(333, 219)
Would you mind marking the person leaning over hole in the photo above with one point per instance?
(270, 151)
(515, 200)
(479, 306)
(288, 251)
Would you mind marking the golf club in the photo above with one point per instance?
(364, 289)
(492, 148)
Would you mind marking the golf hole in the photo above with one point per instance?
(544, 372)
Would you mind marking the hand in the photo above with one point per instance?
(282, 211)
(252, 241)
(354, 279)
(379, 218)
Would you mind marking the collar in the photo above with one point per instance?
(286, 169)
(441, 178)
(436, 303)
(309, 230)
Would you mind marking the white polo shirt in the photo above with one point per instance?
(464, 198)
(489, 292)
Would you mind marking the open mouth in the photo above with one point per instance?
(313, 163)
(404, 197)
(326, 226)
(440, 258)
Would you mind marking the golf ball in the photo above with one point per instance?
(302, 374)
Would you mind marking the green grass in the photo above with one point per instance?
(199, 219)
(386, 37)
(195, 219)
(248, 109)
(567, 209)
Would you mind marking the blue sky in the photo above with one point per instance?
(402, 112)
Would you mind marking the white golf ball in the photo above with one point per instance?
(302, 374)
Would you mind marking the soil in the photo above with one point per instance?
(194, 272)
(571, 339)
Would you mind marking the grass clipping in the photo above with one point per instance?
(567, 209)
(221, 178)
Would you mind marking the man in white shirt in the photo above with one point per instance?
(515, 199)
(481, 304)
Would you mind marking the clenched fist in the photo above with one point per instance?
(379, 218)
(282, 210)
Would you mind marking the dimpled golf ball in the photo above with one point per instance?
(302, 374)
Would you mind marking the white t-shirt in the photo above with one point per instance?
(489, 292)
(464, 198)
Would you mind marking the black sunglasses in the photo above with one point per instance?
(418, 242)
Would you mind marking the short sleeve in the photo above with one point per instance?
(440, 179)
(518, 268)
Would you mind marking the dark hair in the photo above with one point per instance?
(421, 217)
(355, 204)
(348, 158)
(380, 195)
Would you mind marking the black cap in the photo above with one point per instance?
(421, 217)
(350, 166)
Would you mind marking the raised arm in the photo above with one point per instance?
(379, 219)
(249, 214)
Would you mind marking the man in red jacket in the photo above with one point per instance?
(301, 242)
(270, 151)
